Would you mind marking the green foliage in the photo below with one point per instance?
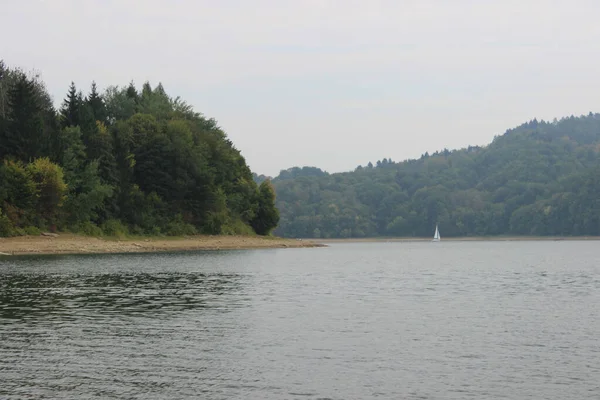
(51, 189)
(178, 227)
(119, 106)
(88, 228)
(258, 179)
(124, 160)
(96, 104)
(217, 218)
(86, 200)
(18, 192)
(87, 192)
(236, 226)
(70, 113)
(6, 227)
(101, 148)
(32, 231)
(267, 215)
(115, 228)
(541, 178)
(155, 231)
(23, 133)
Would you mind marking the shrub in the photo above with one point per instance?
(155, 231)
(179, 227)
(136, 230)
(6, 227)
(88, 228)
(32, 231)
(114, 227)
(237, 227)
(18, 231)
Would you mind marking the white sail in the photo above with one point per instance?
(436, 236)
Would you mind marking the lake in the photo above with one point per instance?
(448, 320)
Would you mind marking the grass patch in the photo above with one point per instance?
(32, 231)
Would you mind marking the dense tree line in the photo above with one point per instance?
(120, 161)
(541, 178)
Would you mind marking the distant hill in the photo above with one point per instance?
(258, 179)
(540, 178)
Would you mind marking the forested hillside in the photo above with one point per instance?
(541, 178)
(120, 161)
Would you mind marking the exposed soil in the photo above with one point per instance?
(73, 244)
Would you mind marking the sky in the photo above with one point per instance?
(332, 84)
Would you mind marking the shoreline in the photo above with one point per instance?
(65, 244)
(75, 244)
(461, 239)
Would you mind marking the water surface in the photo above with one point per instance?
(449, 320)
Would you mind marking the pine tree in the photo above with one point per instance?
(3, 100)
(96, 103)
(70, 111)
(131, 92)
(23, 134)
(3, 90)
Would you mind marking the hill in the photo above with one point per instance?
(126, 160)
(540, 178)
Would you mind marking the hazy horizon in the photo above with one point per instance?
(329, 84)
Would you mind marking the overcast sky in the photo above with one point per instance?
(332, 84)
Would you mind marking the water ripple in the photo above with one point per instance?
(353, 321)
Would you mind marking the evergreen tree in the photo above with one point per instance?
(3, 91)
(131, 92)
(23, 133)
(70, 110)
(96, 103)
(121, 160)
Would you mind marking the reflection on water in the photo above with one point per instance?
(60, 296)
(129, 326)
(353, 321)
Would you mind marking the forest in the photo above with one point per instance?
(124, 161)
(541, 178)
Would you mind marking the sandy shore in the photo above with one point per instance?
(72, 244)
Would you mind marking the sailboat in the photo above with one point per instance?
(436, 236)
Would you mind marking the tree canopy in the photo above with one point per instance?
(126, 160)
(540, 178)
